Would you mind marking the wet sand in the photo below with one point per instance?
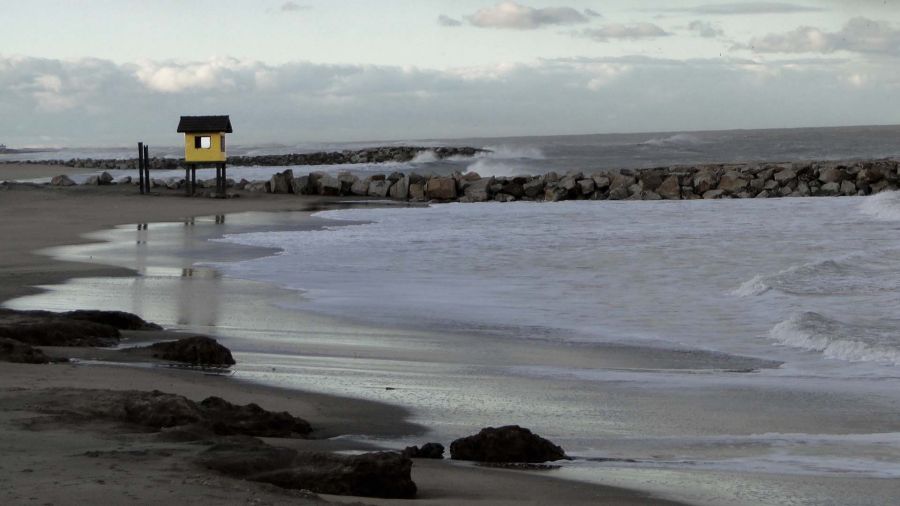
(50, 465)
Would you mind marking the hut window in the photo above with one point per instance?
(202, 142)
(222, 143)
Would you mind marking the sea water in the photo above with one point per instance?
(804, 291)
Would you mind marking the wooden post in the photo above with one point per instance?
(187, 181)
(224, 182)
(193, 179)
(147, 167)
(141, 166)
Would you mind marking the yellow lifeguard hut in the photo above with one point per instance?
(204, 144)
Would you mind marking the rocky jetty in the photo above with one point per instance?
(382, 474)
(808, 179)
(381, 154)
(506, 444)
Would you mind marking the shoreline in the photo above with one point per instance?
(23, 268)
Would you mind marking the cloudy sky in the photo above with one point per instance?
(107, 72)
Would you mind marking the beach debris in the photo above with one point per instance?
(427, 451)
(196, 350)
(510, 443)
(380, 474)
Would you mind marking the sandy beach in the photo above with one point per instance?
(51, 466)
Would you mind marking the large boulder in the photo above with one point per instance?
(534, 188)
(386, 475)
(479, 190)
(785, 175)
(733, 182)
(669, 188)
(586, 187)
(330, 186)
(505, 444)
(832, 175)
(379, 188)
(441, 188)
(360, 187)
(282, 182)
(705, 180)
(417, 191)
(62, 180)
(400, 189)
(105, 178)
(197, 350)
(553, 193)
(225, 418)
(300, 185)
(514, 188)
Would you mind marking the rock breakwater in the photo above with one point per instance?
(798, 179)
(381, 154)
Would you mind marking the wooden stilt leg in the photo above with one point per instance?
(141, 166)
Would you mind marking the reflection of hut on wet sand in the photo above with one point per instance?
(196, 290)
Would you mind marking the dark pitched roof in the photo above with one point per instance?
(204, 124)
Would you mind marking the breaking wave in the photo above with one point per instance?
(884, 206)
(505, 161)
(858, 275)
(674, 141)
(839, 340)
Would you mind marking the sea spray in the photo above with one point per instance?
(883, 206)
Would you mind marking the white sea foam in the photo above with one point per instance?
(884, 206)
(838, 340)
(505, 161)
(754, 286)
(674, 140)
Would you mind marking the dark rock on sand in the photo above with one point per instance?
(505, 444)
(427, 451)
(197, 350)
(384, 475)
(159, 410)
(155, 409)
(21, 353)
(43, 328)
(118, 319)
(251, 420)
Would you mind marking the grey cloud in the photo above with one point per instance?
(520, 17)
(94, 102)
(592, 13)
(860, 35)
(292, 7)
(705, 29)
(445, 20)
(619, 31)
(748, 8)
